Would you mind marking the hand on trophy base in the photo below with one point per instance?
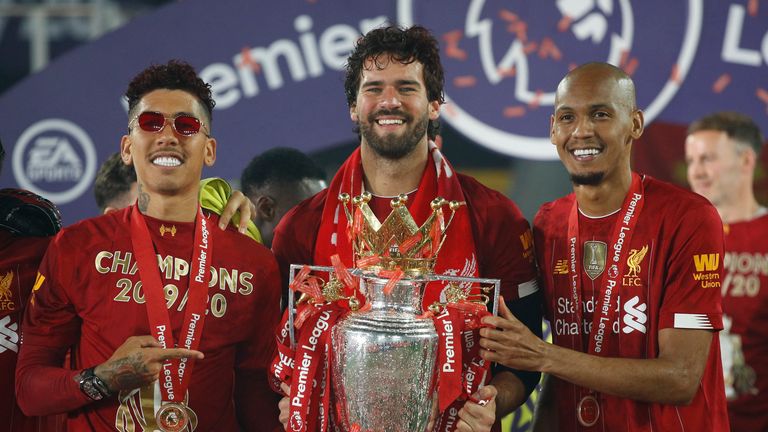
(478, 416)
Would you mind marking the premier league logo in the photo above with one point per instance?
(504, 59)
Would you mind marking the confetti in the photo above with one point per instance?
(564, 24)
(247, 61)
(514, 111)
(464, 81)
(721, 83)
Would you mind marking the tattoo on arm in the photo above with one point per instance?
(143, 199)
(127, 373)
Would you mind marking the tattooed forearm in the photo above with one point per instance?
(143, 199)
(126, 373)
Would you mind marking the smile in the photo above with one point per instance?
(167, 161)
(385, 122)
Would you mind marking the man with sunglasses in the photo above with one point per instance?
(133, 290)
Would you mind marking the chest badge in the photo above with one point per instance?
(594, 258)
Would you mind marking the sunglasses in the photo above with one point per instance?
(183, 124)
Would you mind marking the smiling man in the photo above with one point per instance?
(132, 291)
(721, 152)
(632, 271)
(394, 89)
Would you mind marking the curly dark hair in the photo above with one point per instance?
(174, 75)
(736, 125)
(114, 179)
(406, 45)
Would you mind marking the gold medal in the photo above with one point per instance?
(588, 411)
(172, 417)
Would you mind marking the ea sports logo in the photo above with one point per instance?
(504, 58)
(55, 158)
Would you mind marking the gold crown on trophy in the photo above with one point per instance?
(398, 242)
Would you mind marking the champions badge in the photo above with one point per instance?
(588, 411)
(172, 417)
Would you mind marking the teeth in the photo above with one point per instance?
(586, 152)
(390, 122)
(167, 161)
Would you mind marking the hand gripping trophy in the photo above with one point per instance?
(361, 351)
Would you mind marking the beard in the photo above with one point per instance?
(588, 179)
(391, 146)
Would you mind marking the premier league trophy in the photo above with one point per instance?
(386, 359)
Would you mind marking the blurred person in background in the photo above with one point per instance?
(115, 186)
(721, 152)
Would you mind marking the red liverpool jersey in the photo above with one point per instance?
(744, 339)
(18, 265)
(89, 295)
(672, 279)
(502, 236)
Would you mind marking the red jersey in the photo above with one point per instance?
(89, 295)
(503, 241)
(744, 339)
(672, 279)
(18, 266)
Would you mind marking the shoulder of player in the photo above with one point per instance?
(675, 201)
(483, 200)
(95, 231)
(552, 213)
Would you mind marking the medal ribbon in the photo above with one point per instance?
(174, 378)
(623, 229)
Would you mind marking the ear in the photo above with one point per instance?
(749, 159)
(210, 151)
(638, 124)
(125, 150)
(265, 208)
(434, 110)
(353, 113)
(552, 129)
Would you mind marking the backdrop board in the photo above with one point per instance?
(277, 75)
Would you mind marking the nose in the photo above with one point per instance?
(584, 128)
(389, 98)
(696, 169)
(167, 134)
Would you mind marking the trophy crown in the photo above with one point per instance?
(397, 243)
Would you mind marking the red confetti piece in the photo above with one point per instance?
(721, 83)
(247, 61)
(572, 66)
(305, 311)
(530, 47)
(464, 81)
(534, 103)
(762, 94)
(452, 49)
(508, 16)
(409, 243)
(623, 59)
(342, 273)
(631, 67)
(507, 72)
(393, 280)
(514, 111)
(549, 49)
(675, 75)
(299, 278)
(357, 225)
(355, 427)
(752, 7)
(564, 24)
(368, 261)
(520, 29)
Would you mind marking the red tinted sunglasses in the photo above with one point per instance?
(183, 124)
